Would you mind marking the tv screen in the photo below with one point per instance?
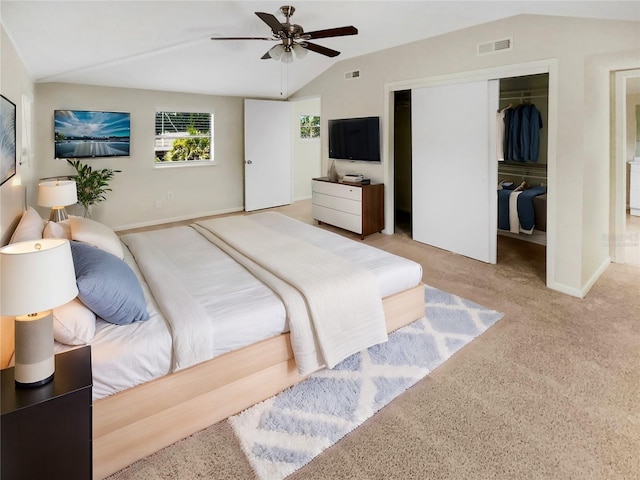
(82, 134)
(355, 139)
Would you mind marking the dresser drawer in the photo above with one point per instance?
(353, 207)
(350, 222)
(338, 190)
(634, 197)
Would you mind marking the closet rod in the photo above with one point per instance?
(523, 97)
(522, 175)
(525, 92)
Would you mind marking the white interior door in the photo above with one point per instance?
(454, 167)
(267, 147)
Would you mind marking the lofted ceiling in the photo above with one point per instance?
(165, 45)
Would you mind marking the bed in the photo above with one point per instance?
(156, 381)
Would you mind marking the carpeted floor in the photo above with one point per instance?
(552, 391)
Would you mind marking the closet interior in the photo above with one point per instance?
(522, 141)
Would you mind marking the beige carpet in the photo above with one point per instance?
(552, 391)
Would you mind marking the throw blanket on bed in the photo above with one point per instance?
(191, 330)
(525, 211)
(334, 306)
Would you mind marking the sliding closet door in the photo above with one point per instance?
(454, 167)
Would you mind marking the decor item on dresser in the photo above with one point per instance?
(332, 173)
(57, 194)
(92, 185)
(7, 139)
(36, 276)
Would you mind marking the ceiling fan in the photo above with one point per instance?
(293, 38)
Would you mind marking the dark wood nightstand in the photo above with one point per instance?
(46, 431)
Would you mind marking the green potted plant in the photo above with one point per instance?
(91, 184)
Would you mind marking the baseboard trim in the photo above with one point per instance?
(581, 292)
(180, 218)
(596, 275)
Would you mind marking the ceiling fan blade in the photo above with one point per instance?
(272, 21)
(320, 49)
(243, 38)
(266, 56)
(331, 32)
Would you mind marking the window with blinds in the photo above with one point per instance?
(184, 137)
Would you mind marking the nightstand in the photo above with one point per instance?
(45, 432)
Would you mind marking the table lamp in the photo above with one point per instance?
(35, 276)
(57, 194)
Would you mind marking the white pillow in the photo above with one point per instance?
(57, 230)
(73, 323)
(94, 233)
(29, 228)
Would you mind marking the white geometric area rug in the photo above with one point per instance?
(287, 431)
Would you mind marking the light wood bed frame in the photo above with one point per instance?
(134, 423)
(139, 421)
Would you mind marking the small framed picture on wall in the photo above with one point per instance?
(7, 139)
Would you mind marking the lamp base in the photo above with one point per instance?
(58, 214)
(35, 362)
(34, 384)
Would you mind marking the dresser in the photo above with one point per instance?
(357, 208)
(46, 430)
(634, 188)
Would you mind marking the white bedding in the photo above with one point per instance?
(125, 356)
(333, 305)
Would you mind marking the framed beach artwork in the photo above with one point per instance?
(7, 139)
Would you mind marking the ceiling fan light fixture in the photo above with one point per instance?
(276, 52)
(287, 57)
(300, 51)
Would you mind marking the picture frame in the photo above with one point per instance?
(91, 134)
(7, 139)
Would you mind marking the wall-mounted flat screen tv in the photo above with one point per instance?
(356, 139)
(85, 134)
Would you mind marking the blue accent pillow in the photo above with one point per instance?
(107, 285)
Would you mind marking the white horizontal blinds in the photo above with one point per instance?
(183, 136)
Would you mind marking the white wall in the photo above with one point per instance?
(139, 195)
(15, 82)
(306, 151)
(581, 218)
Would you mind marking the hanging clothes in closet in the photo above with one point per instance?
(521, 127)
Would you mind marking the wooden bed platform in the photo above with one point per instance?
(137, 422)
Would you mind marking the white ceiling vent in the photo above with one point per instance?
(352, 75)
(495, 46)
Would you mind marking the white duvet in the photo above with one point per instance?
(243, 309)
(333, 305)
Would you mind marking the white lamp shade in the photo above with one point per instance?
(57, 193)
(276, 52)
(300, 51)
(287, 57)
(35, 276)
